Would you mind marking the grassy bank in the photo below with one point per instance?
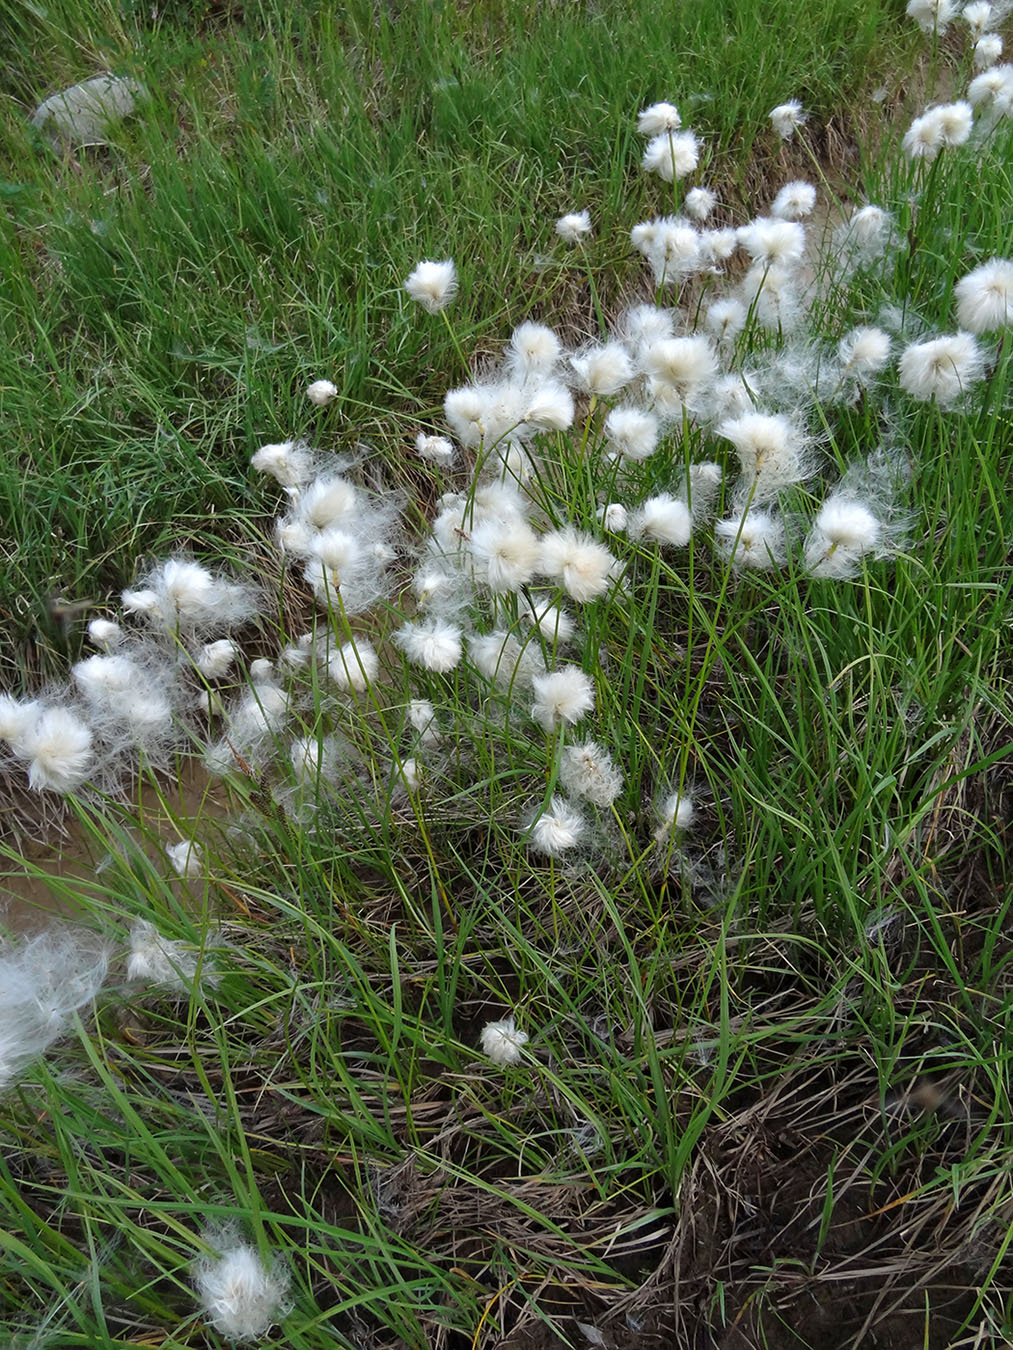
(458, 1046)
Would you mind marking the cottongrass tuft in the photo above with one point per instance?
(787, 118)
(942, 368)
(240, 1296)
(586, 770)
(437, 449)
(503, 1042)
(582, 566)
(562, 698)
(58, 745)
(322, 392)
(671, 155)
(557, 830)
(289, 462)
(658, 118)
(985, 297)
(675, 814)
(186, 857)
(433, 285)
(160, 961)
(435, 645)
(574, 227)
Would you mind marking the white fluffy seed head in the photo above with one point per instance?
(215, 659)
(726, 319)
(786, 118)
(699, 203)
(16, 716)
(795, 201)
(354, 665)
(673, 251)
(574, 227)
(503, 1041)
(321, 392)
(985, 297)
(771, 450)
(987, 51)
(772, 242)
(422, 718)
(942, 368)
(992, 91)
(864, 352)
(104, 633)
(562, 697)
(581, 565)
(328, 501)
(675, 813)
(554, 624)
(241, 1297)
(500, 658)
(924, 137)
(533, 351)
(186, 858)
(58, 747)
(435, 448)
(549, 407)
(662, 519)
(614, 517)
(558, 830)
(978, 15)
(434, 645)
(506, 554)
(843, 532)
(717, 246)
(160, 961)
(586, 770)
(756, 540)
(685, 365)
(290, 462)
(658, 118)
(632, 432)
(433, 284)
(641, 326)
(932, 16)
(603, 370)
(671, 155)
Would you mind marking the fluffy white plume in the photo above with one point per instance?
(433, 284)
(503, 1042)
(240, 1296)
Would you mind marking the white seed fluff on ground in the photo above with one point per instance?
(241, 1297)
(503, 1041)
(557, 830)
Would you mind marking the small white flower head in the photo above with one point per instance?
(658, 118)
(867, 234)
(942, 368)
(435, 448)
(641, 326)
(978, 16)
(549, 407)
(574, 227)
(58, 747)
(924, 137)
(408, 774)
(726, 319)
(586, 770)
(505, 552)
(562, 698)
(699, 203)
(795, 201)
(786, 118)
(680, 370)
(614, 517)
(663, 519)
(501, 659)
(241, 1297)
(503, 1042)
(354, 665)
(422, 719)
(558, 830)
(703, 484)
(533, 351)
(583, 567)
(717, 246)
(632, 432)
(756, 540)
(157, 960)
(842, 533)
(329, 501)
(186, 858)
(772, 453)
(16, 716)
(434, 645)
(774, 243)
(674, 250)
(179, 593)
(992, 91)
(985, 297)
(290, 462)
(466, 410)
(433, 285)
(987, 51)
(541, 612)
(675, 814)
(864, 352)
(215, 659)
(603, 370)
(104, 633)
(956, 121)
(321, 392)
(932, 16)
(671, 155)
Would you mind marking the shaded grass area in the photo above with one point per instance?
(169, 296)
